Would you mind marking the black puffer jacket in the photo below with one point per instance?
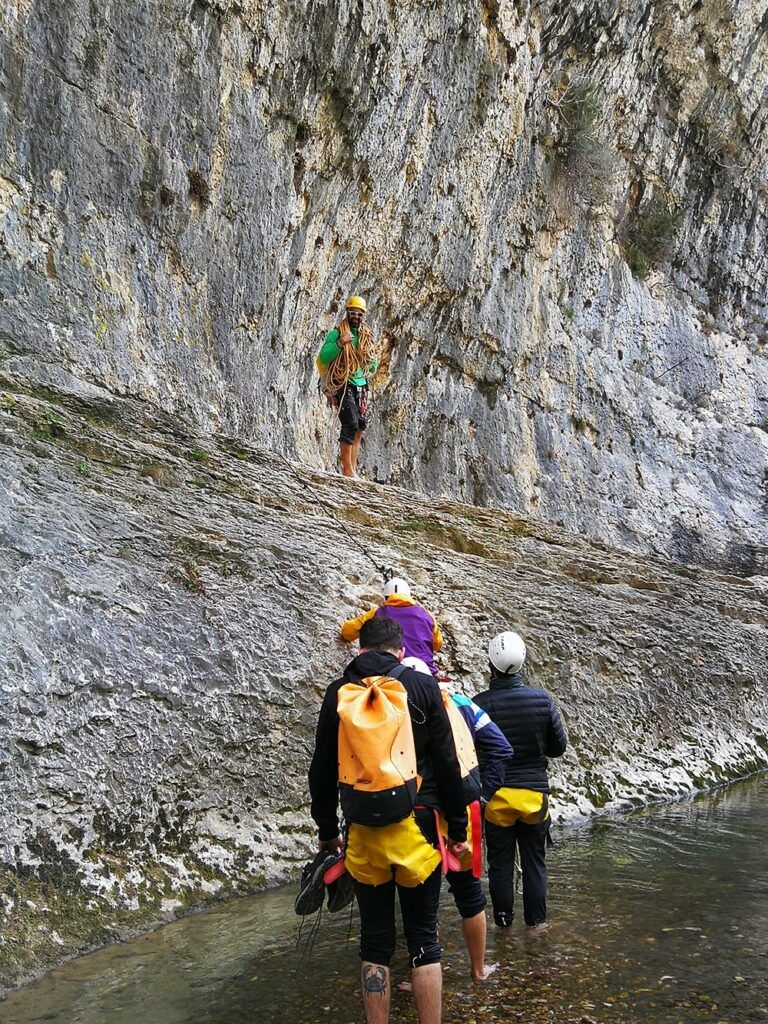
(531, 722)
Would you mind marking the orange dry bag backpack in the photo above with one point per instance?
(378, 780)
(465, 750)
(466, 754)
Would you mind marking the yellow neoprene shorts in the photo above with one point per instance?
(374, 856)
(508, 805)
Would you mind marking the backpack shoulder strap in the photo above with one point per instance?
(397, 671)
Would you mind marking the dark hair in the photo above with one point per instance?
(381, 635)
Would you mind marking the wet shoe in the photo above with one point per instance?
(312, 885)
(341, 892)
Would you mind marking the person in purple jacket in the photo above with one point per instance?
(423, 638)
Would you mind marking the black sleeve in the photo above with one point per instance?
(324, 769)
(557, 740)
(445, 765)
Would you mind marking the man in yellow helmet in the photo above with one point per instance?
(347, 362)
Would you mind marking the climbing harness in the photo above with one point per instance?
(383, 570)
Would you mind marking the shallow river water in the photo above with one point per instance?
(657, 916)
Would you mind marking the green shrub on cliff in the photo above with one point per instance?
(647, 237)
(582, 157)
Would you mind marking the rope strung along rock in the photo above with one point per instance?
(381, 569)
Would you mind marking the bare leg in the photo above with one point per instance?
(374, 982)
(347, 466)
(356, 451)
(428, 993)
(474, 929)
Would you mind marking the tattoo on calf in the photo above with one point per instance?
(374, 981)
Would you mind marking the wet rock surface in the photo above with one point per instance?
(169, 608)
(657, 918)
(557, 211)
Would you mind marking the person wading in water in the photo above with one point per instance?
(346, 362)
(384, 748)
(517, 815)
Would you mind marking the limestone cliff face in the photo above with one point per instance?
(558, 214)
(170, 606)
(557, 211)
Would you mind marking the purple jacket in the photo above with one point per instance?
(418, 630)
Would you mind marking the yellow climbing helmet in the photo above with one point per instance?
(357, 302)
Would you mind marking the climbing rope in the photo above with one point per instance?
(381, 569)
(350, 359)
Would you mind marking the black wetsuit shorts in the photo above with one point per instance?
(352, 403)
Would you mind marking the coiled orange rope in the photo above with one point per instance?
(350, 359)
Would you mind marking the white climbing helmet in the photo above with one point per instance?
(398, 586)
(507, 652)
(417, 665)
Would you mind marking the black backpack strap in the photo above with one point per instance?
(397, 671)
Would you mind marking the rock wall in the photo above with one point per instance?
(169, 606)
(558, 215)
(557, 212)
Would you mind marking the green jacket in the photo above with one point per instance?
(331, 348)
